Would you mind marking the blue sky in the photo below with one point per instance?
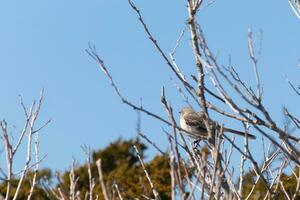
(43, 46)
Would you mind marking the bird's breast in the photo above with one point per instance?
(183, 124)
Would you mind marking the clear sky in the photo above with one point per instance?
(43, 46)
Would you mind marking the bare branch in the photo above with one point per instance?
(101, 180)
(154, 191)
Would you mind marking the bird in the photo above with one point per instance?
(193, 124)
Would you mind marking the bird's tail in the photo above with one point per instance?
(240, 133)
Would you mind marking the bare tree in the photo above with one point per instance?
(198, 169)
(29, 132)
(214, 177)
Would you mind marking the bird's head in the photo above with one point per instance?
(185, 110)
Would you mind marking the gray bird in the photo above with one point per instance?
(193, 123)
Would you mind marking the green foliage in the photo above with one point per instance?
(38, 193)
(249, 180)
(121, 166)
(289, 182)
(119, 153)
(159, 170)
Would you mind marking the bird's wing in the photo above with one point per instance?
(194, 120)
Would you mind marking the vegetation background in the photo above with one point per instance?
(44, 47)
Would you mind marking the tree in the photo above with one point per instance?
(221, 90)
(202, 169)
(121, 167)
(23, 185)
(38, 192)
(286, 186)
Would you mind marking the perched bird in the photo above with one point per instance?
(193, 122)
